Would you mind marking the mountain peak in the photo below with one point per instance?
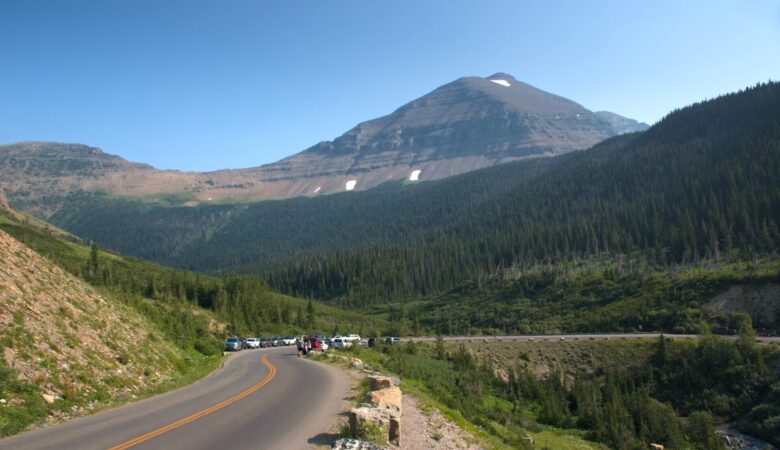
(501, 76)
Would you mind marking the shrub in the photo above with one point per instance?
(208, 346)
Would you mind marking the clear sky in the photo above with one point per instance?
(206, 85)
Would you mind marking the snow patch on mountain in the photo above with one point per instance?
(351, 184)
(501, 82)
(415, 175)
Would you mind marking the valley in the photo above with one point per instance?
(390, 225)
(669, 230)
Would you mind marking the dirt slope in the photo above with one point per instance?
(761, 301)
(67, 339)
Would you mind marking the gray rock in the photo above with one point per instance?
(355, 444)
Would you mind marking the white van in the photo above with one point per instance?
(340, 342)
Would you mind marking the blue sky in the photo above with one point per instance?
(206, 85)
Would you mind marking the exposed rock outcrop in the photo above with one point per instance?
(384, 410)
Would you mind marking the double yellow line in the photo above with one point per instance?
(205, 412)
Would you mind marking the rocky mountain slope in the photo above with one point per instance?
(38, 175)
(620, 124)
(3, 201)
(468, 124)
(67, 341)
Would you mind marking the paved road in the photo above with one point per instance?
(267, 398)
(575, 337)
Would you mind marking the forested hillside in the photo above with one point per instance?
(172, 298)
(702, 183)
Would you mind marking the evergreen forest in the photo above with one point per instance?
(698, 189)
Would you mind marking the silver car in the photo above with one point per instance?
(234, 344)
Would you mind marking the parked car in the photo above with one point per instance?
(276, 341)
(288, 340)
(324, 341)
(252, 342)
(340, 342)
(352, 337)
(393, 340)
(233, 344)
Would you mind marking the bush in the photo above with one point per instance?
(373, 432)
(208, 345)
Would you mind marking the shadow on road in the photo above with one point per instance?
(324, 438)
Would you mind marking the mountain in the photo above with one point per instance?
(3, 200)
(464, 125)
(620, 124)
(37, 176)
(699, 184)
(468, 124)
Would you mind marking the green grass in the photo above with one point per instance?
(555, 438)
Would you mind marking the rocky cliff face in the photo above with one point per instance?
(468, 124)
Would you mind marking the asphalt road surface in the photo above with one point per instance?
(575, 337)
(260, 399)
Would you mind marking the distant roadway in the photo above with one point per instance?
(574, 337)
(260, 399)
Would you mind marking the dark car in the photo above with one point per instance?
(393, 341)
(234, 344)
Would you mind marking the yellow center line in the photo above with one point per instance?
(205, 412)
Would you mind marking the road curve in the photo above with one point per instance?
(267, 398)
